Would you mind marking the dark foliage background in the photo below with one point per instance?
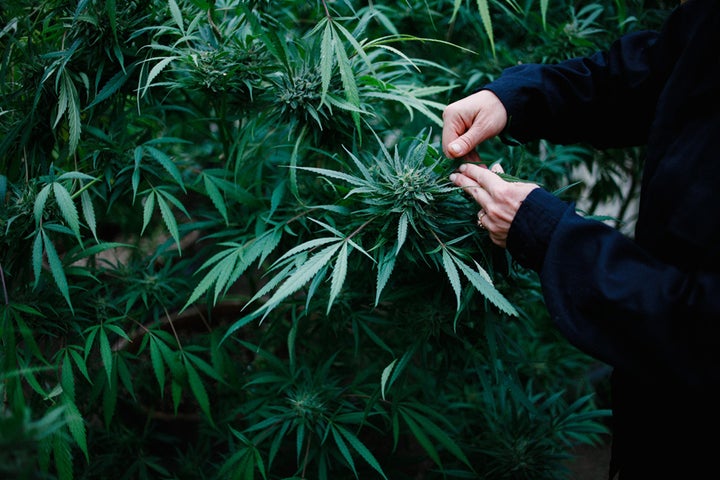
(229, 249)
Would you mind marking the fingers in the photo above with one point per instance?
(470, 121)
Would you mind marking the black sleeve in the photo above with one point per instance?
(607, 99)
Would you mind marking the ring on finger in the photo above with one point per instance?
(480, 223)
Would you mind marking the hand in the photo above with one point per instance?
(469, 122)
(499, 199)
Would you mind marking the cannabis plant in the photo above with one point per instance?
(229, 248)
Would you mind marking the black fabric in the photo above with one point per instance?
(648, 306)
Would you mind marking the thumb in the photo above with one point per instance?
(466, 143)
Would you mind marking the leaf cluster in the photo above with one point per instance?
(229, 248)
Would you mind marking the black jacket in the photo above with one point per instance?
(648, 306)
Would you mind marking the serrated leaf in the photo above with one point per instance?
(67, 208)
(216, 197)
(73, 110)
(39, 204)
(421, 437)
(148, 207)
(343, 448)
(487, 289)
(176, 14)
(361, 449)
(338, 276)
(157, 363)
(76, 425)
(56, 269)
(385, 376)
(112, 86)
(198, 389)
(439, 434)
(110, 396)
(105, 352)
(37, 257)
(402, 231)
(453, 275)
(63, 457)
(302, 275)
(484, 10)
(89, 213)
(67, 379)
(155, 71)
(169, 219)
(327, 58)
(167, 163)
(386, 265)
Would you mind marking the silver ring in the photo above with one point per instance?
(480, 223)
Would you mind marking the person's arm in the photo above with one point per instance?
(614, 300)
(607, 99)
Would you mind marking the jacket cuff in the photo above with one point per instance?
(533, 226)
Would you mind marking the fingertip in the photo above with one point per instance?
(455, 148)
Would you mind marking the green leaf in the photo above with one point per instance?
(148, 207)
(342, 446)
(158, 366)
(56, 268)
(421, 437)
(386, 265)
(215, 196)
(169, 217)
(361, 449)
(167, 163)
(106, 352)
(40, 201)
(452, 274)
(155, 71)
(89, 213)
(76, 425)
(327, 58)
(302, 275)
(177, 15)
(481, 281)
(339, 274)
(63, 457)
(67, 208)
(439, 434)
(484, 10)
(37, 257)
(198, 389)
(112, 86)
(67, 379)
(402, 231)
(385, 376)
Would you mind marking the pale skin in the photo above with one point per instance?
(467, 123)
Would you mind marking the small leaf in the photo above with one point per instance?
(89, 213)
(67, 208)
(176, 14)
(148, 207)
(76, 425)
(385, 376)
(40, 201)
(361, 449)
(167, 163)
(157, 363)
(216, 197)
(452, 274)
(198, 389)
(338, 276)
(56, 269)
(106, 353)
